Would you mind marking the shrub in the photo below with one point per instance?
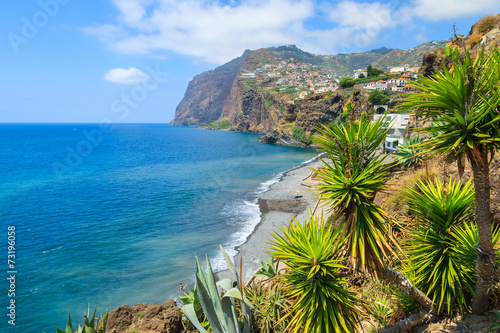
(473, 40)
(299, 135)
(270, 305)
(89, 326)
(409, 155)
(222, 123)
(346, 83)
(377, 97)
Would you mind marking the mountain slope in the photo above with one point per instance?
(412, 56)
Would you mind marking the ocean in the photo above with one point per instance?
(113, 214)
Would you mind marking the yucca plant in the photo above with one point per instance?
(408, 154)
(349, 182)
(90, 325)
(350, 179)
(314, 278)
(443, 244)
(466, 102)
(220, 311)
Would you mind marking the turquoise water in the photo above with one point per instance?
(114, 214)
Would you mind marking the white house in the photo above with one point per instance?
(248, 75)
(303, 94)
(397, 70)
(398, 123)
(381, 85)
(370, 86)
(392, 81)
(358, 72)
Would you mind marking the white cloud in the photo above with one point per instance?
(449, 9)
(215, 32)
(205, 29)
(125, 76)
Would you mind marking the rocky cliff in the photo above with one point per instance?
(206, 94)
(259, 91)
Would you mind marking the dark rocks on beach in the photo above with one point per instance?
(158, 318)
(282, 139)
(293, 206)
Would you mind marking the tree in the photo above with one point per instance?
(346, 83)
(350, 181)
(370, 71)
(466, 101)
(361, 76)
(377, 97)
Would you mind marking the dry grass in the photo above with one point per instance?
(392, 202)
(485, 24)
(473, 40)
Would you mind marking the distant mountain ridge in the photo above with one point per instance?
(342, 64)
(412, 56)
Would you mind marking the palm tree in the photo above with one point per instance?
(349, 184)
(466, 101)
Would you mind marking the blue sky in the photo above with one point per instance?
(129, 61)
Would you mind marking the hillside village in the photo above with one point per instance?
(398, 79)
(294, 76)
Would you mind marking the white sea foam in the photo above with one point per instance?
(245, 215)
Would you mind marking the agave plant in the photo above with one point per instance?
(267, 270)
(221, 312)
(89, 326)
(314, 278)
(191, 297)
(409, 154)
(443, 244)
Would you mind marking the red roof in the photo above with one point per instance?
(380, 81)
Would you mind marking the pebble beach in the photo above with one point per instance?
(284, 200)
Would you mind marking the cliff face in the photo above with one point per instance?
(324, 108)
(203, 102)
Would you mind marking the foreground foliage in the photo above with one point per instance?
(349, 183)
(409, 155)
(438, 256)
(220, 311)
(466, 103)
(314, 278)
(271, 307)
(89, 326)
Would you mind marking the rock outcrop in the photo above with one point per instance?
(324, 108)
(484, 34)
(153, 318)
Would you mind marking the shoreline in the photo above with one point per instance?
(285, 199)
